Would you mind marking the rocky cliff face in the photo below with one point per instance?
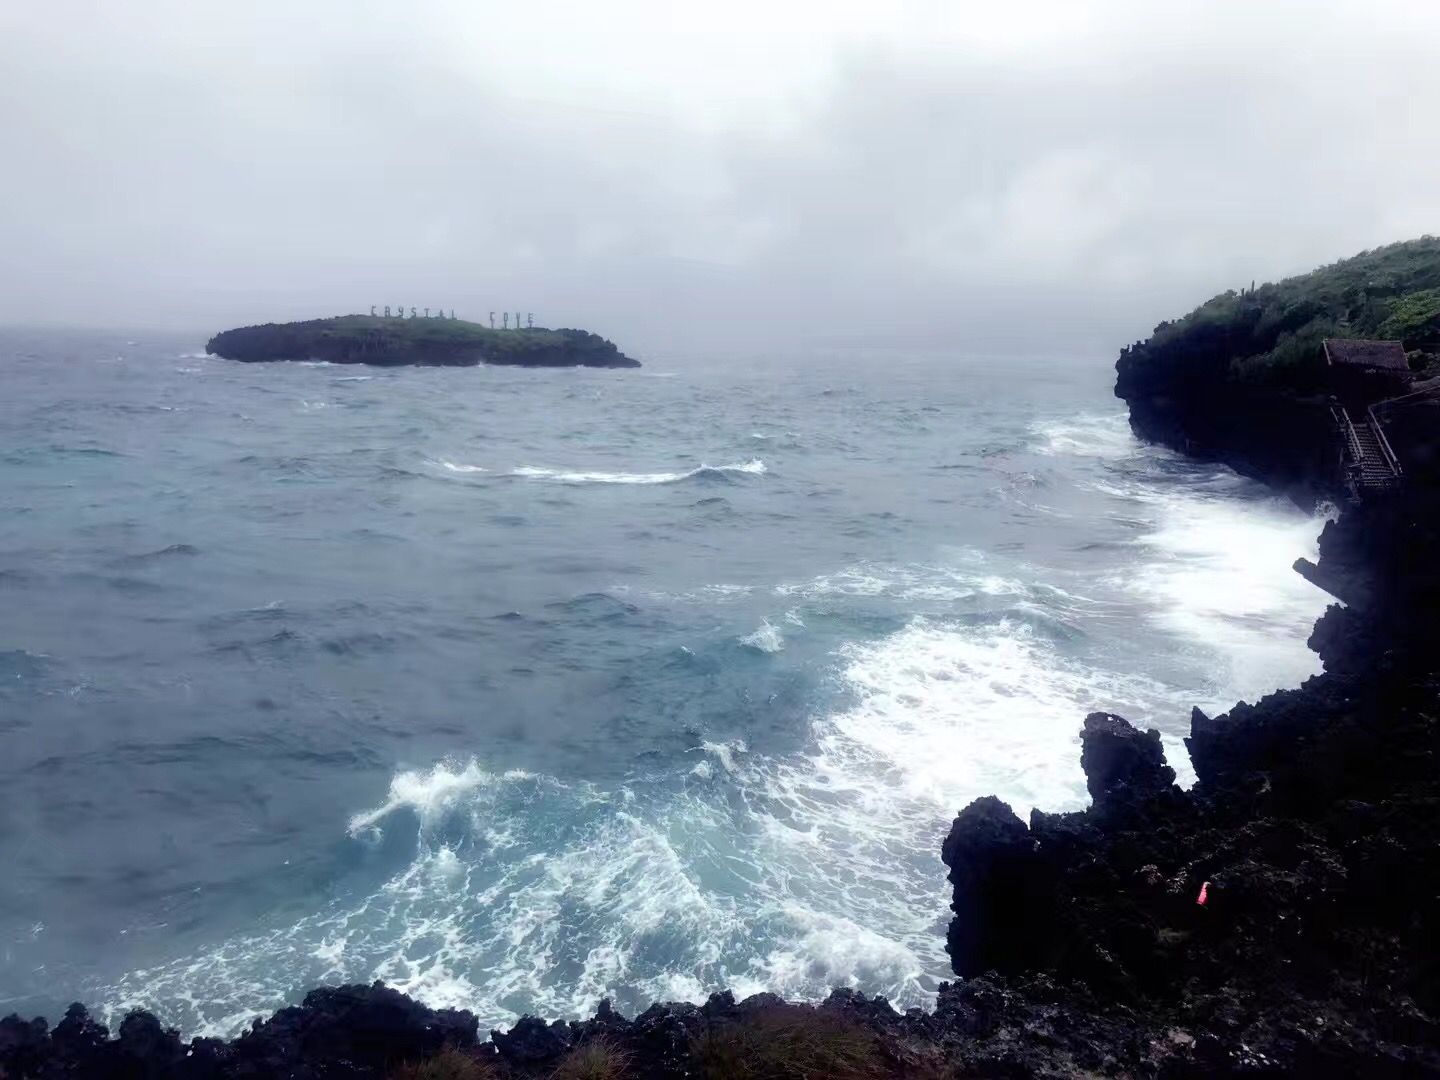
(1242, 379)
(1285, 438)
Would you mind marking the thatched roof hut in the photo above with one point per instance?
(1368, 355)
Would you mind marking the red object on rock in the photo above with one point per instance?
(1204, 892)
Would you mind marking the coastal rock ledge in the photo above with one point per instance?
(373, 339)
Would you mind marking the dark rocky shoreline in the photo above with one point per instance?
(1079, 939)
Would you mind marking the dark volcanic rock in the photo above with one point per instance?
(991, 856)
(532, 1043)
(1122, 764)
(1312, 829)
(1285, 438)
(367, 1027)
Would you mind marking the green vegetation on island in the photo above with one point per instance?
(374, 339)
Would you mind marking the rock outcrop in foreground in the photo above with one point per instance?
(1311, 835)
(373, 339)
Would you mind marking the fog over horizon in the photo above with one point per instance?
(1031, 177)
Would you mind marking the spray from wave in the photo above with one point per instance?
(1219, 575)
(1096, 435)
(767, 638)
(1214, 566)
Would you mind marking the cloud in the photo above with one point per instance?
(997, 178)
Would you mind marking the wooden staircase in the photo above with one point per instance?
(1370, 464)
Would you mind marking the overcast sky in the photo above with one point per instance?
(1028, 175)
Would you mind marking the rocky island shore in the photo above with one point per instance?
(1280, 918)
(381, 340)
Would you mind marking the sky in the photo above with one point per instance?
(1031, 176)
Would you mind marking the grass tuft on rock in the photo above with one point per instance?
(449, 1064)
(598, 1059)
(788, 1042)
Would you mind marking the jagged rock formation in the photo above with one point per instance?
(368, 339)
(340, 1031)
(1313, 824)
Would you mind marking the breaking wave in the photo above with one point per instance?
(766, 639)
(753, 467)
(793, 874)
(1097, 435)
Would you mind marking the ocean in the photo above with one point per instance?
(518, 689)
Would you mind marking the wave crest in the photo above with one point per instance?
(1106, 436)
(432, 794)
(767, 638)
(753, 467)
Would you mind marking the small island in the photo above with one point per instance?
(376, 339)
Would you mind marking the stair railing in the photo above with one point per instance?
(1390, 458)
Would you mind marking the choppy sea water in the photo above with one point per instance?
(518, 689)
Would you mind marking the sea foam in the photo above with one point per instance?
(792, 871)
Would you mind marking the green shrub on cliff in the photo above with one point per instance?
(1414, 318)
(1273, 334)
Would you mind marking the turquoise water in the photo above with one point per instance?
(520, 688)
